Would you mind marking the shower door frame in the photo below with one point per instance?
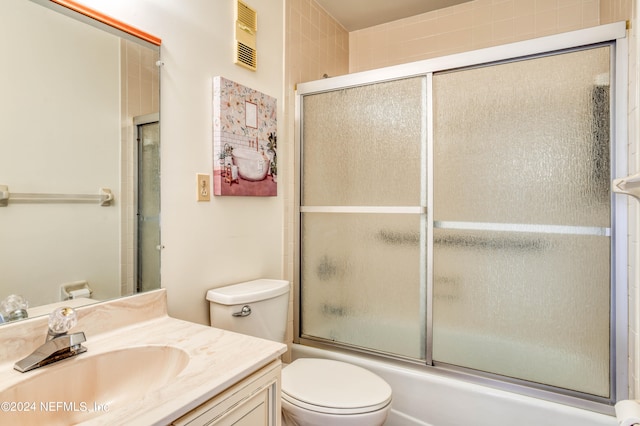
(139, 122)
(612, 34)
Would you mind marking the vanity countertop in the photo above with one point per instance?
(217, 358)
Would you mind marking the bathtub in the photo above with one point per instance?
(423, 398)
(251, 164)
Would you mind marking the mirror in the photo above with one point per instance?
(79, 111)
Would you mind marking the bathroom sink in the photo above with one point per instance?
(80, 388)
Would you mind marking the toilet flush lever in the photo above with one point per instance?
(245, 312)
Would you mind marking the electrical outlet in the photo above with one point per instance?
(204, 188)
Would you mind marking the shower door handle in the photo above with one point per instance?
(629, 185)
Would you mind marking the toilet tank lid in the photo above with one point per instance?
(248, 292)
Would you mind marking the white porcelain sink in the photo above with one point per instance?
(80, 388)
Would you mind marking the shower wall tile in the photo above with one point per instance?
(545, 5)
(472, 25)
(524, 7)
(546, 22)
(591, 11)
(316, 44)
(571, 17)
(615, 10)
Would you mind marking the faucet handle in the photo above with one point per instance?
(62, 320)
(14, 307)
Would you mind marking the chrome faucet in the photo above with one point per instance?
(58, 345)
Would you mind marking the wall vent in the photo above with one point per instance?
(246, 28)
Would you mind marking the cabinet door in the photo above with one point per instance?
(254, 401)
(253, 412)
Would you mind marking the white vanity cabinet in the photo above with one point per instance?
(254, 401)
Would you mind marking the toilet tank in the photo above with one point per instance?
(257, 308)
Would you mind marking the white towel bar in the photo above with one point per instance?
(104, 197)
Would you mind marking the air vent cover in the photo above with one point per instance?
(246, 28)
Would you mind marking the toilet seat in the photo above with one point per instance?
(333, 387)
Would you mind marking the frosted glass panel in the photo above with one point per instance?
(360, 281)
(522, 211)
(361, 146)
(529, 306)
(524, 142)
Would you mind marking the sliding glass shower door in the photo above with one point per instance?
(463, 218)
(361, 217)
(522, 219)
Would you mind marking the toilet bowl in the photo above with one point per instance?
(315, 392)
(319, 392)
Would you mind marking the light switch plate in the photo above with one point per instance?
(204, 187)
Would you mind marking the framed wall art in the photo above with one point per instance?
(245, 158)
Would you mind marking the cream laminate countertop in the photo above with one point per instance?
(217, 358)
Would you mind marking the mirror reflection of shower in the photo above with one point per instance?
(148, 204)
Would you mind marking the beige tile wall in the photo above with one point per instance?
(468, 26)
(315, 45)
(615, 10)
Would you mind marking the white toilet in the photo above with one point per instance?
(315, 392)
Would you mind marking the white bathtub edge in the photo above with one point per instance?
(426, 399)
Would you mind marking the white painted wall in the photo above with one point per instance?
(226, 240)
(55, 121)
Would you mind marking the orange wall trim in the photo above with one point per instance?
(94, 14)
